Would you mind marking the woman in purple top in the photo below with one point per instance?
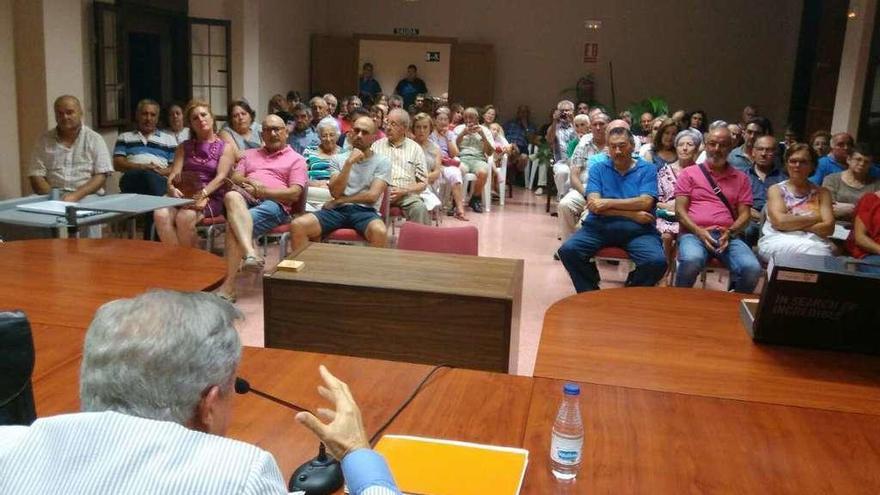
(200, 168)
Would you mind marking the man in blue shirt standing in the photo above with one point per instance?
(368, 87)
(835, 161)
(621, 194)
(410, 86)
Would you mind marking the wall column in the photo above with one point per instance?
(853, 67)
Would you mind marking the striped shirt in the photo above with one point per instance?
(109, 452)
(408, 165)
(156, 148)
(68, 168)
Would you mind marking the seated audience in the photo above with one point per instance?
(849, 186)
(444, 139)
(368, 87)
(456, 115)
(710, 220)
(321, 113)
(748, 113)
(741, 158)
(319, 161)
(71, 157)
(648, 144)
(200, 168)
(293, 97)
(581, 128)
(572, 206)
(420, 105)
(332, 104)
(582, 108)
(409, 173)
(475, 143)
(644, 131)
(736, 134)
(687, 142)
(662, 150)
(837, 160)
(558, 135)
(303, 135)
(357, 183)
(271, 179)
(762, 175)
(626, 116)
(351, 103)
(241, 132)
(395, 101)
(799, 214)
(789, 137)
(379, 113)
(176, 123)
(144, 155)
(697, 120)
(621, 193)
(156, 388)
(864, 239)
(278, 106)
(488, 115)
(422, 127)
(820, 141)
(679, 117)
(519, 131)
(410, 86)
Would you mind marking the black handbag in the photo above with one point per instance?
(16, 366)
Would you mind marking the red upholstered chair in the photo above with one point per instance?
(713, 266)
(350, 236)
(212, 227)
(282, 232)
(615, 255)
(453, 240)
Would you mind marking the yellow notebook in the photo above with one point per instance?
(430, 466)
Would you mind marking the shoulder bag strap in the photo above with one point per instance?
(717, 190)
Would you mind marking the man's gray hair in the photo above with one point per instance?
(326, 124)
(154, 356)
(695, 135)
(567, 103)
(717, 124)
(146, 102)
(400, 115)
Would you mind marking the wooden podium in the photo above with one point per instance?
(397, 305)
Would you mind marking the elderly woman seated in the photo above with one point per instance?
(241, 132)
(849, 186)
(799, 214)
(318, 159)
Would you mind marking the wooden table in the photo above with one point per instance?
(60, 283)
(397, 305)
(691, 341)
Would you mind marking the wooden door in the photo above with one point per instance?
(823, 84)
(472, 74)
(333, 67)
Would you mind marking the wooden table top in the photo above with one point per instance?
(455, 404)
(361, 266)
(692, 341)
(639, 441)
(63, 281)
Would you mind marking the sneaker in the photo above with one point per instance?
(477, 206)
(539, 191)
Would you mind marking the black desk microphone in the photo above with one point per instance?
(320, 476)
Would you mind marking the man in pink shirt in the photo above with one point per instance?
(713, 204)
(273, 178)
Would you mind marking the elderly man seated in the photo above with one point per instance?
(144, 156)
(303, 135)
(71, 157)
(571, 206)
(621, 193)
(321, 112)
(357, 183)
(156, 387)
(409, 170)
(272, 179)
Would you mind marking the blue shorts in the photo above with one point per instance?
(267, 215)
(348, 216)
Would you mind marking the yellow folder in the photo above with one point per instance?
(430, 466)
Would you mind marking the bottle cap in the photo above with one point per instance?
(572, 389)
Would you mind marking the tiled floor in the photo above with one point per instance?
(519, 229)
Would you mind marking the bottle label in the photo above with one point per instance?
(566, 450)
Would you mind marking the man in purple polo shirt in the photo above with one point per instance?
(275, 178)
(713, 203)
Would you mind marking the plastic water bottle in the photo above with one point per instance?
(567, 440)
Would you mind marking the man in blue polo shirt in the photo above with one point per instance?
(835, 161)
(621, 193)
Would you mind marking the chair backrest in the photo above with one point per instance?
(453, 240)
(16, 367)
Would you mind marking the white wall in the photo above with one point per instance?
(391, 58)
(10, 184)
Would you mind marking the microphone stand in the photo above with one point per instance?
(322, 475)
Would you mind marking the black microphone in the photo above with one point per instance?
(320, 476)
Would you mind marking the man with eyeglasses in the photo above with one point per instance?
(270, 181)
(763, 174)
(741, 158)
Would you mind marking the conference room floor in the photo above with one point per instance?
(519, 229)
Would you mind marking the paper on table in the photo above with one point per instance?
(54, 207)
